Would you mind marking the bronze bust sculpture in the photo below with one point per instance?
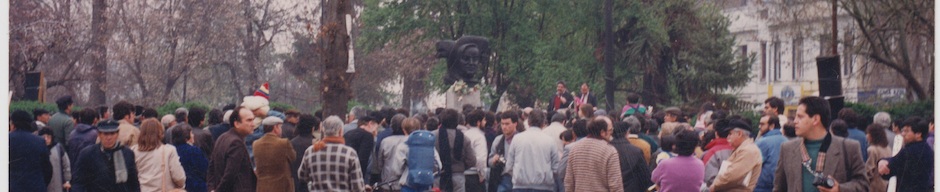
(464, 57)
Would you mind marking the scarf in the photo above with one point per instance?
(120, 169)
(320, 145)
(448, 158)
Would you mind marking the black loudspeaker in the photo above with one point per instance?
(830, 82)
(35, 85)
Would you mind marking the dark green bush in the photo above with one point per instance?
(282, 106)
(29, 106)
(899, 110)
(171, 107)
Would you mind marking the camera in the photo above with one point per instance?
(823, 181)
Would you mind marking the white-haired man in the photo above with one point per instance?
(330, 165)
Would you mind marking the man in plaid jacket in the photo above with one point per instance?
(330, 165)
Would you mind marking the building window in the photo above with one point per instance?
(848, 62)
(797, 58)
(824, 44)
(776, 61)
(763, 61)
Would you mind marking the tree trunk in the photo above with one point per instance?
(99, 53)
(334, 41)
(609, 83)
(252, 49)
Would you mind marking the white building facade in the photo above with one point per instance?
(785, 50)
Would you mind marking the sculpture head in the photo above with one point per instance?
(472, 53)
(464, 57)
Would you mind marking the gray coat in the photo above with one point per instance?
(714, 164)
(843, 162)
(60, 164)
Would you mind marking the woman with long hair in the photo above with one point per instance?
(877, 149)
(158, 164)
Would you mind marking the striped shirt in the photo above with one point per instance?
(593, 165)
(335, 168)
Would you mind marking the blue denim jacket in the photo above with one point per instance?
(859, 135)
(769, 146)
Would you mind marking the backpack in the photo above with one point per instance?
(634, 109)
(420, 158)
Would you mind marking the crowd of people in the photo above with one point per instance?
(570, 146)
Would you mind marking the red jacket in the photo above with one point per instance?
(717, 144)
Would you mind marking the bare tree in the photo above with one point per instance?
(46, 36)
(897, 35)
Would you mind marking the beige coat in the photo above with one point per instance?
(128, 133)
(741, 170)
(875, 153)
(160, 169)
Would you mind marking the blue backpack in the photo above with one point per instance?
(420, 158)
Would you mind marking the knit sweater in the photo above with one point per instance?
(593, 165)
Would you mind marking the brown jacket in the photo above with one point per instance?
(230, 166)
(843, 162)
(643, 145)
(273, 157)
(745, 160)
(876, 153)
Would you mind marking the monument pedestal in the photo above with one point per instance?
(456, 100)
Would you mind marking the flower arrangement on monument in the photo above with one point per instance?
(460, 88)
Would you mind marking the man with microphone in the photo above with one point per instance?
(561, 99)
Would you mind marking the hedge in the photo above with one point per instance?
(29, 106)
(901, 110)
(170, 107)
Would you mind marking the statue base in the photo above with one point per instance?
(457, 100)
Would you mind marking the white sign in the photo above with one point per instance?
(351, 67)
(885, 93)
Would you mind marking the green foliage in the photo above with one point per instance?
(753, 117)
(681, 46)
(922, 108)
(865, 112)
(282, 106)
(170, 107)
(29, 106)
(354, 103)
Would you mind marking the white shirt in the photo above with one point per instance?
(478, 143)
(554, 130)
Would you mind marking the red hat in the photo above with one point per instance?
(263, 90)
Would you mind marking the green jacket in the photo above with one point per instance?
(61, 124)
